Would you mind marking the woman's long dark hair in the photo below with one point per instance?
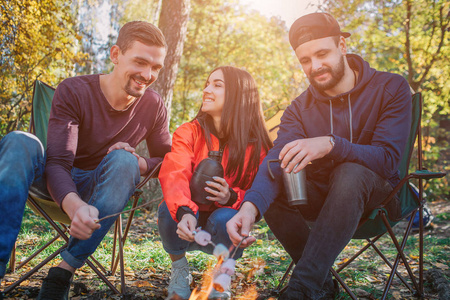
(242, 123)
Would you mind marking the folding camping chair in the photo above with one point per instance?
(46, 207)
(379, 222)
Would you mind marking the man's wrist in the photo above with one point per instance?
(249, 208)
(71, 203)
(143, 165)
(332, 142)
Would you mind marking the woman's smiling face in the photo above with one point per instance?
(214, 94)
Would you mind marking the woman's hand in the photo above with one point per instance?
(220, 193)
(186, 226)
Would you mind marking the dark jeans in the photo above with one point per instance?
(352, 192)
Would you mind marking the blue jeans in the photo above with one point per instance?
(22, 163)
(352, 192)
(214, 223)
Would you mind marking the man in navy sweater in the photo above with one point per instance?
(348, 130)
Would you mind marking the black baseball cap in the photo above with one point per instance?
(312, 27)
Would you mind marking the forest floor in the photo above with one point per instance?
(148, 267)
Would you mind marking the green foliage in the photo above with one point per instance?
(225, 33)
(410, 38)
(38, 41)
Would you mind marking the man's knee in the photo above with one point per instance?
(24, 141)
(348, 174)
(124, 163)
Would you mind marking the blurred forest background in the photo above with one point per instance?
(50, 40)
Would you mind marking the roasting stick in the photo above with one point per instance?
(130, 210)
(237, 247)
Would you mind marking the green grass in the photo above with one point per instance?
(263, 263)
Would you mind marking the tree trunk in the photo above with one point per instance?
(173, 23)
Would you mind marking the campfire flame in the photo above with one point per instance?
(207, 284)
(202, 292)
(250, 294)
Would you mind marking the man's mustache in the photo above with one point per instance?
(321, 72)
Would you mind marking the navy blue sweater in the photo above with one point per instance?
(370, 124)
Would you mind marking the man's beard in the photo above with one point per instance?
(337, 72)
(136, 93)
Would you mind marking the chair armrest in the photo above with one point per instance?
(153, 174)
(425, 174)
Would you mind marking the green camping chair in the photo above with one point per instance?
(379, 222)
(46, 207)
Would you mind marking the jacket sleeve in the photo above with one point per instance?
(264, 189)
(176, 171)
(388, 143)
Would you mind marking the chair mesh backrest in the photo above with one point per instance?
(375, 225)
(42, 102)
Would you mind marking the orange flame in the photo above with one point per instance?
(203, 292)
(250, 294)
(207, 284)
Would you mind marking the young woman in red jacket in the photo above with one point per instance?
(230, 120)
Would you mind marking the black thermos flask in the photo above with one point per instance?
(206, 169)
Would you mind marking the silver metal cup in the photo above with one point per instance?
(294, 184)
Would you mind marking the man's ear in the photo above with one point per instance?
(342, 45)
(114, 54)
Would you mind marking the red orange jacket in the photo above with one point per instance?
(189, 148)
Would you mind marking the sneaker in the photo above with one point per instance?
(180, 280)
(56, 285)
(216, 295)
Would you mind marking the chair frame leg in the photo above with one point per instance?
(280, 288)
(116, 259)
(343, 284)
(34, 270)
(62, 230)
(12, 260)
(37, 252)
(400, 254)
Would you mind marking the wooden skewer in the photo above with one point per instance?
(130, 210)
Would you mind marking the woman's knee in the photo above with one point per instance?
(166, 224)
(217, 221)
